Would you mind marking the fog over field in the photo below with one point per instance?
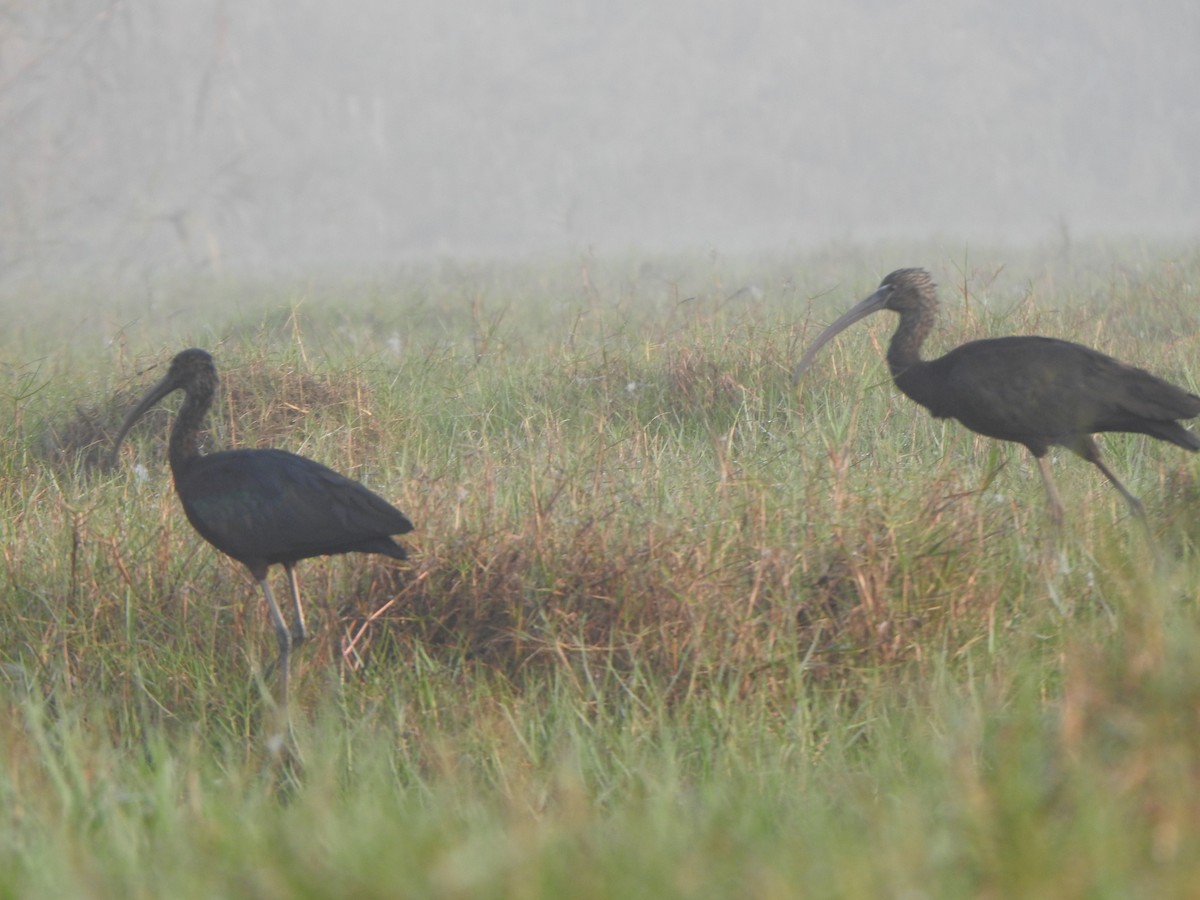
(142, 139)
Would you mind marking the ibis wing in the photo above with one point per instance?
(1041, 391)
(274, 505)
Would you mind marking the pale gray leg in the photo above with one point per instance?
(299, 632)
(284, 637)
(1135, 505)
(1091, 453)
(1056, 507)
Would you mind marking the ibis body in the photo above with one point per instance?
(1036, 391)
(265, 507)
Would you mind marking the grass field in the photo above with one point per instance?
(669, 628)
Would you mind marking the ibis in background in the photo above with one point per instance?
(263, 507)
(1036, 391)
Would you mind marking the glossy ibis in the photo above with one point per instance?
(263, 507)
(1036, 391)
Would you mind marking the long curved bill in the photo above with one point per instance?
(156, 393)
(861, 310)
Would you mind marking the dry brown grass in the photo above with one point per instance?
(658, 501)
(552, 555)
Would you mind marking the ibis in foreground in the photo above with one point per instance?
(1036, 391)
(263, 507)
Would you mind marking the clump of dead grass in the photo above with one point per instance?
(743, 605)
(518, 603)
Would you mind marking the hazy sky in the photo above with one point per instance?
(142, 138)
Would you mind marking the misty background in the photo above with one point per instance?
(141, 140)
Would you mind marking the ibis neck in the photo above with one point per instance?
(184, 445)
(904, 351)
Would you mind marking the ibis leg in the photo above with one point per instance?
(299, 632)
(1135, 505)
(284, 637)
(1091, 453)
(1056, 507)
